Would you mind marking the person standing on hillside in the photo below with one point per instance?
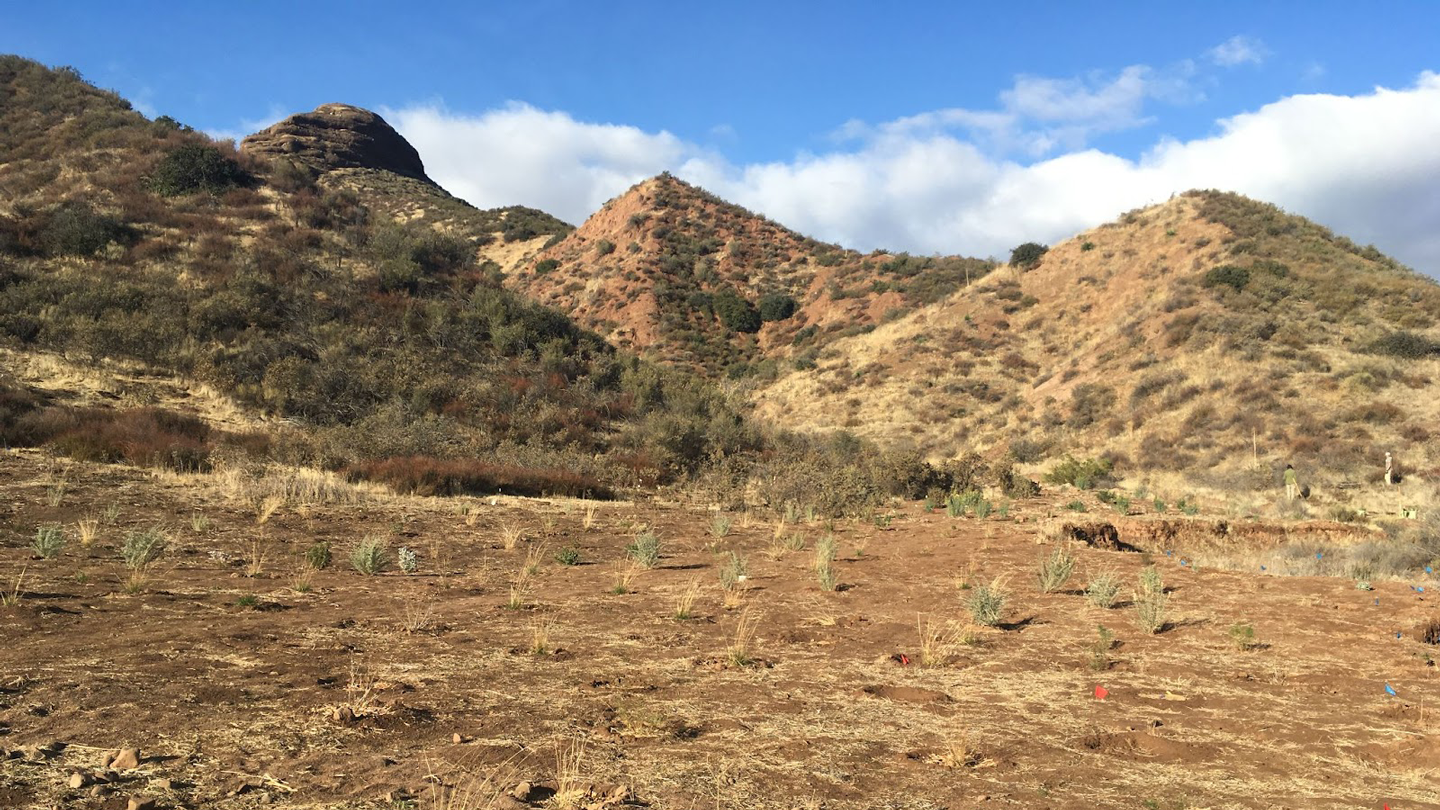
(1389, 470)
(1292, 482)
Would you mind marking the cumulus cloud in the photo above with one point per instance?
(1238, 50)
(522, 155)
(936, 182)
(1038, 115)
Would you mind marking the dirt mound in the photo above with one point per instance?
(1163, 534)
(1103, 536)
(339, 136)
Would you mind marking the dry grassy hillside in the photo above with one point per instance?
(135, 245)
(1210, 334)
(671, 269)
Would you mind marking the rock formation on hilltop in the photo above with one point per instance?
(339, 136)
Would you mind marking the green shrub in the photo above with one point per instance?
(408, 560)
(825, 563)
(1100, 649)
(1228, 275)
(546, 266)
(1081, 473)
(1243, 637)
(604, 247)
(196, 167)
(1028, 255)
(569, 555)
(736, 313)
(720, 526)
(776, 307)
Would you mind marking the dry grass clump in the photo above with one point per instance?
(510, 536)
(740, 651)
(87, 530)
(541, 629)
(685, 606)
(939, 640)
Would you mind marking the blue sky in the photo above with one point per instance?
(786, 106)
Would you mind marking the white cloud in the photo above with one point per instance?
(522, 155)
(1039, 115)
(1238, 50)
(248, 126)
(1364, 165)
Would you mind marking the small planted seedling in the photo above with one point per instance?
(986, 603)
(1150, 601)
(1055, 570)
(141, 548)
(1242, 635)
(1100, 648)
(569, 555)
(409, 561)
(369, 556)
(733, 572)
(720, 526)
(825, 563)
(317, 556)
(644, 549)
(1102, 590)
(49, 540)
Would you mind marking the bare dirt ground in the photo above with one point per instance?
(242, 688)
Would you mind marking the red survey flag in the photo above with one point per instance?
(1101, 692)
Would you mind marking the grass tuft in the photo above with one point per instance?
(1055, 570)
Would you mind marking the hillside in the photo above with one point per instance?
(673, 271)
(1210, 336)
(352, 149)
(388, 349)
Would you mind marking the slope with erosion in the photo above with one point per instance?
(669, 269)
(1210, 334)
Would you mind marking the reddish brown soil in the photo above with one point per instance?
(237, 705)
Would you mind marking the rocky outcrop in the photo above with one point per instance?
(339, 136)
